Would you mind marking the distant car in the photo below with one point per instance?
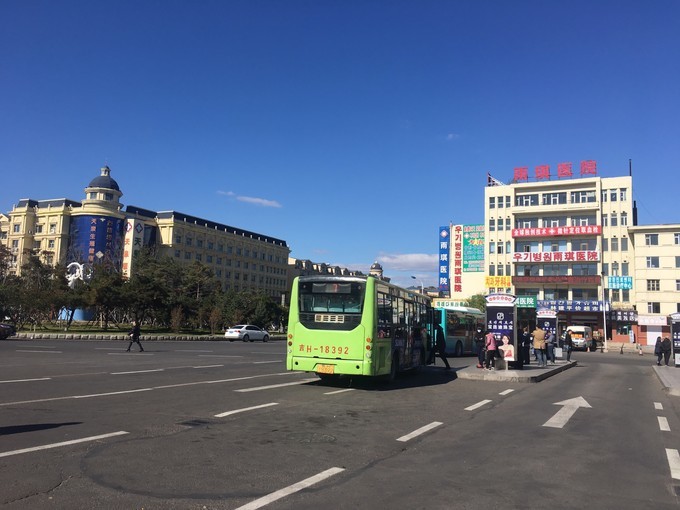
(246, 332)
(6, 331)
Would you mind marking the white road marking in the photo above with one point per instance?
(41, 352)
(222, 415)
(658, 406)
(420, 431)
(674, 462)
(261, 362)
(64, 443)
(282, 493)
(178, 385)
(506, 392)
(191, 350)
(124, 353)
(339, 391)
(217, 356)
(92, 395)
(272, 386)
(27, 380)
(569, 407)
(209, 366)
(139, 371)
(477, 405)
(663, 424)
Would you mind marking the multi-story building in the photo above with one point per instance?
(656, 278)
(558, 240)
(98, 227)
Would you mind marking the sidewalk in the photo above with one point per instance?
(669, 377)
(531, 373)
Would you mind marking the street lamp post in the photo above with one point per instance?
(604, 315)
(422, 287)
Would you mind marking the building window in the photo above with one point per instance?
(210, 245)
(677, 261)
(625, 295)
(676, 238)
(189, 241)
(614, 220)
(507, 201)
(209, 259)
(492, 247)
(613, 195)
(677, 285)
(187, 255)
(624, 244)
(580, 197)
(605, 244)
(108, 196)
(93, 195)
(38, 229)
(624, 219)
(199, 243)
(500, 224)
(199, 257)
(615, 295)
(16, 228)
(623, 194)
(53, 228)
(499, 249)
(492, 225)
(50, 244)
(605, 220)
(653, 262)
(615, 268)
(554, 198)
(492, 202)
(605, 268)
(492, 270)
(500, 270)
(584, 269)
(527, 200)
(178, 254)
(178, 239)
(651, 239)
(653, 285)
(615, 244)
(624, 269)
(653, 307)
(604, 195)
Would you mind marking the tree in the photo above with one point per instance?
(476, 301)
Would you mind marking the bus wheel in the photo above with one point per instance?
(458, 352)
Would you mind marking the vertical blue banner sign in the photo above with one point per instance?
(444, 243)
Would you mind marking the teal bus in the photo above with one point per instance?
(460, 324)
(356, 326)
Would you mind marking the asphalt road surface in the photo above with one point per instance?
(220, 425)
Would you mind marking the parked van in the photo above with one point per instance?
(581, 336)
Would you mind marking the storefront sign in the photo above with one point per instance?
(557, 231)
(556, 256)
(571, 306)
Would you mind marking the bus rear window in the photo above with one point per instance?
(331, 297)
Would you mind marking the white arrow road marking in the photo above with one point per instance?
(563, 415)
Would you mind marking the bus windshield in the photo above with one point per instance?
(331, 297)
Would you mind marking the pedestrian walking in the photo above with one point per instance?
(568, 344)
(440, 345)
(134, 336)
(666, 347)
(539, 345)
(550, 347)
(490, 345)
(479, 345)
(658, 350)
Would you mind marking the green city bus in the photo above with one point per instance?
(356, 326)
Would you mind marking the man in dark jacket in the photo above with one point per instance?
(134, 336)
(479, 346)
(666, 347)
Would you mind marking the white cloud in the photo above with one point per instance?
(414, 262)
(452, 136)
(262, 202)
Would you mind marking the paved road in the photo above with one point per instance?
(218, 425)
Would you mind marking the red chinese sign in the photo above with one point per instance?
(557, 256)
(557, 231)
(556, 279)
(542, 172)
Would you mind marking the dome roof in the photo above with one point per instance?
(104, 180)
(375, 265)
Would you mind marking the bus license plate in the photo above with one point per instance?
(325, 369)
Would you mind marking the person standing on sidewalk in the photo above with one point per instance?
(666, 347)
(134, 336)
(568, 344)
(539, 345)
(490, 344)
(525, 345)
(550, 347)
(658, 350)
(479, 345)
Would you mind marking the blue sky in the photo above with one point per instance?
(351, 129)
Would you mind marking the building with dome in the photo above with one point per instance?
(98, 229)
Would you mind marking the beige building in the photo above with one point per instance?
(656, 278)
(98, 228)
(559, 239)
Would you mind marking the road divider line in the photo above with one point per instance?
(272, 386)
(658, 406)
(506, 392)
(26, 380)
(339, 391)
(663, 424)
(41, 352)
(139, 371)
(420, 431)
(208, 366)
(477, 405)
(673, 462)
(92, 395)
(236, 411)
(64, 443)
(291, 489)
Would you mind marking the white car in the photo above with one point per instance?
(246, 332)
